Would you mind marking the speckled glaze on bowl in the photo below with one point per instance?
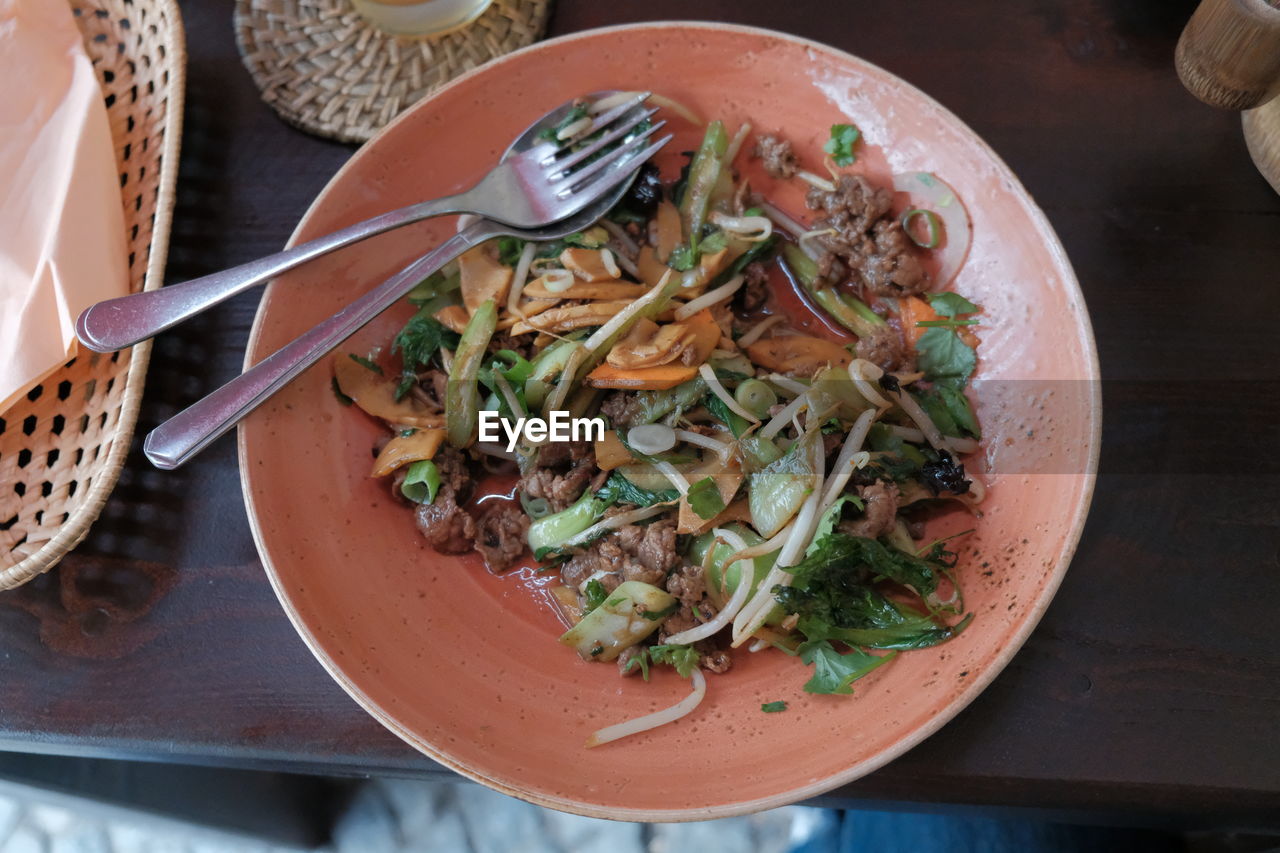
(463, 665)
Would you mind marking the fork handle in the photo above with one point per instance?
(124, 321)
(191, 430)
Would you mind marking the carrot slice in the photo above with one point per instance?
(914, 310)
(641, 378)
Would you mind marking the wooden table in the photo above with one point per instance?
(1153, 683)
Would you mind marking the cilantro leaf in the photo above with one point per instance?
(960, 409)
(951, 304)
(595, 595)
(618, 489)
(704, 499)
(945, 358)
(509, 250)
(712, 243)
(683, 658)
(840, 145)
(682, 259)
(420, 339)
(773, 707)
(834, 672)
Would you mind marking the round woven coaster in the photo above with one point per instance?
(327, 70)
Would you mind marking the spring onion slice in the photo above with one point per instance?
(931, 221)
(929, 191)
(659, 718)
(746, 580)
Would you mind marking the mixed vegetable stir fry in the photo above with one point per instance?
(750, 486)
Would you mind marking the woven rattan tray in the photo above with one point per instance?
(62, 447)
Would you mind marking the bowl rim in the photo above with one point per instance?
(855, 771)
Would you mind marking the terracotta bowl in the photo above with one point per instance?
(464, 665)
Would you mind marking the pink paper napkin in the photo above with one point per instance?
(62, 237)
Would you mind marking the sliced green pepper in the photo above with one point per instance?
(704, 174)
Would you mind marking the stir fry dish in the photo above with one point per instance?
(739, 485)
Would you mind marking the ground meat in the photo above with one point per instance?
(755, 291)
(447, 527)
(869, 240)
(501, 532)
(779, 160)
(563, 472)
(881, 511)
(653, 545)
(634, 553)
(619, 407)
(831, 442)
(688, 585)
(521, 344)
(885, 349)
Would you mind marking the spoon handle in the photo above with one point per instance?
(191, 430)
(124, 321)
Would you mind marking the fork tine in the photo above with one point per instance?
(603, 185)
(578, 178)
(581, 154)
(598, 122)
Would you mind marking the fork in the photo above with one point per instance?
(527, 189)
(191, 430)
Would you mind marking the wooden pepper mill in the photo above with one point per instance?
(1229, 57)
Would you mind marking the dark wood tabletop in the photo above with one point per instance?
(1152, 684)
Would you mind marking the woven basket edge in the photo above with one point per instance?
(74, 530)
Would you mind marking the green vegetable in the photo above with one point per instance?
(651, 406)
(704, 175)
(773, 707)
(682, 259)
(549, 533)
(462, 397)
(850, 312)
(951, 304)
(840, 145)
(618, 489)
(592, 238)
(961, 410)
(736, 423)
(832, 386)
(337, 392)
(775, 494)
(596, 595)
(932, 222)
(704, 499)
(421, 482)
(758, 453)
(418, 342)
(612, 626)
(509, 250)
(827, 523)
(835, 596)
(944, 358)
(712, 243)
(434, 286)
(723, 581)
(754, 396)
(834, 672)
(365, 363)
(552, 134)
(683, 658)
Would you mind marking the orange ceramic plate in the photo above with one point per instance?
(465, 666)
